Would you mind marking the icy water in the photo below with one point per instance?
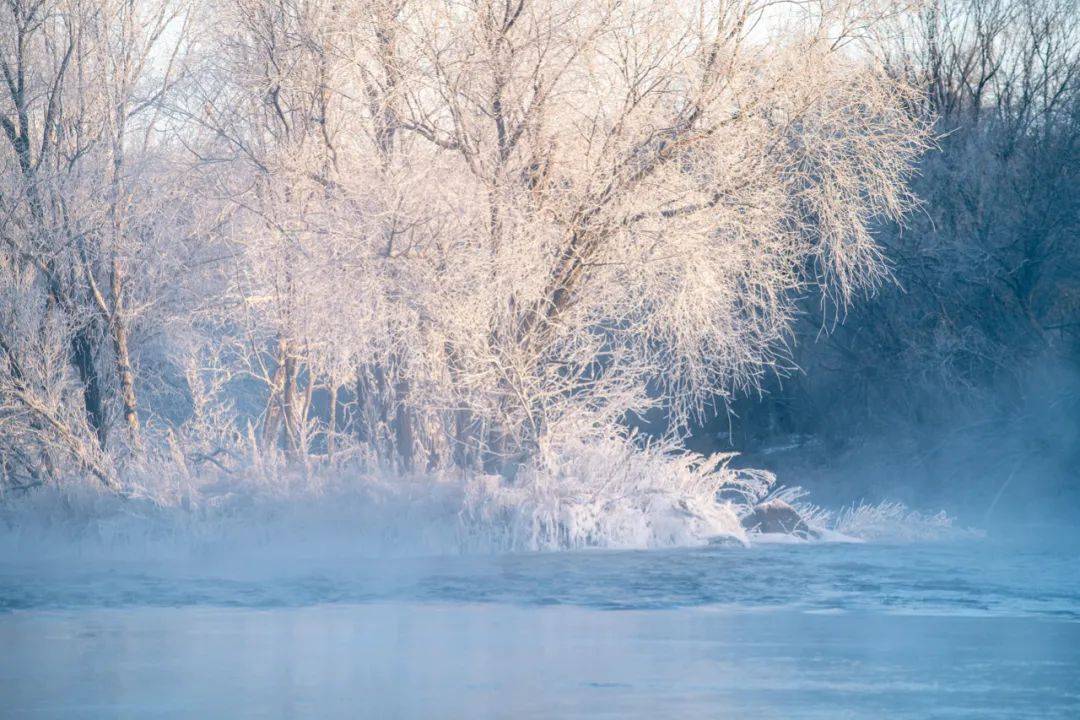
(973, 629)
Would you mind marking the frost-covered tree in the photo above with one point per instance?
(430, 234)
(80, 212)
(505, 221)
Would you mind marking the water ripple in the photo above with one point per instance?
(946, 578)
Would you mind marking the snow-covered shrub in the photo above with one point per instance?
(613, 492)
(895, 522)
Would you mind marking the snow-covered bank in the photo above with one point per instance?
(616, 496)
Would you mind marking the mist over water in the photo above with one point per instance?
(977, 578)
(1003, 460)
(363, 601)
(373, 599)
(366, 603)
(946, 629)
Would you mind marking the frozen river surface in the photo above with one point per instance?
(950, 630)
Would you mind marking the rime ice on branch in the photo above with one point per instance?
(427, 235)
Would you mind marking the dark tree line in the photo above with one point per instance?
(984, 311)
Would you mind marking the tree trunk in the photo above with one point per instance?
(82, 355)
(290, 405)
(331, 429)
(404, 430)
(272, 418)
(125, 374)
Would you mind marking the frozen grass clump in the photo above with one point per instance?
(614, 493)
(348, 514)
(895, 522)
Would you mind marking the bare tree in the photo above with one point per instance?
(539, 210)
(81, 83)
(436, 236)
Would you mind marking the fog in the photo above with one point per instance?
(539, 358)
(1009, 471)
